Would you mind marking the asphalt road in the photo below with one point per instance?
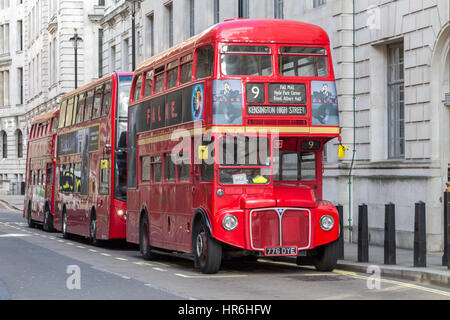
(35, 264)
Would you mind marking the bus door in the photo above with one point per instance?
(202, 189)
(103, 204)
(49, 183)
(179, 222)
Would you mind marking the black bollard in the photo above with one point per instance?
(445, 257)
(420, 241)
(389, 234)
(340, 210)
(363, 234)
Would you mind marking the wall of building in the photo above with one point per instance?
(421, 28)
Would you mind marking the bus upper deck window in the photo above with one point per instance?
(107, 95)
(186, 69)
(159, 79)
(137, 88)
(205, 62)
(97, 102)
(148, 84)
(246, 60)
(302, 62)
(62, 114)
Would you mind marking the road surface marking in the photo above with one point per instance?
(211, 277)
(13, 235)
(159, 269)
(121, 259)
(144, 264)
(395, 282)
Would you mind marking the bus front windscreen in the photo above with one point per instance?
(120, 156)
(244, 160)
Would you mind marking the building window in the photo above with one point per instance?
(100, 53)
(191, 18)
(19, 144)
(278, 9)
(4, 88)
(318, 3)
(113, 59)
(125, 55)
(149, 30)
(396, 108)
(20, 80)
(243, 9)
(169, 11)
(4, 145)
(19, 35)
(216, 11)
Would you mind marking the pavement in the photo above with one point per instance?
(14, 201)
(434, 273)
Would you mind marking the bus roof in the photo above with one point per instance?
(46, 116)
(249, 31)
(95, 83)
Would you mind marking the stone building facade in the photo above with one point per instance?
(37, 67)
(391, 60)
(392, 66)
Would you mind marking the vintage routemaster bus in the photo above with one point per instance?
(40, 167)
(225, 138)
(91, 160)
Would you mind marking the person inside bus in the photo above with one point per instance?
(256, 178)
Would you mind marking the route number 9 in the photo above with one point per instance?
(310, 145)
(256, 93)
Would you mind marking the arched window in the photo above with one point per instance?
(4, 144)
(19, 136)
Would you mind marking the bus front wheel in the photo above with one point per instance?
(207, 251)
(327, 256)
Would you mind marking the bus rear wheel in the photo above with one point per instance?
(327, 256)
(207, 251)
(48, 220)
(64, 232)
(144, 239)
(30, 221)
(93, 231)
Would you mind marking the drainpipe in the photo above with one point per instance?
(350, 177)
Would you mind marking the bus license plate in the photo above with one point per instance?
(280, 251)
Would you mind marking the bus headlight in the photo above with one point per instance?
(230, 222)
(326, 222)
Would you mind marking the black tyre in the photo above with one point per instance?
(30, 221)
(207, 251)
(48, 221)
(93, 230)
(327, 256)
(144, 239)
(64, 232)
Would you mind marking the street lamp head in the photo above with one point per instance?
(75, 37)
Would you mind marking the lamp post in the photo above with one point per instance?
(75, 40)
(132, 4)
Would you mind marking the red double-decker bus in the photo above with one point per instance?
(91, 160)
(40, 167)
(225, 140)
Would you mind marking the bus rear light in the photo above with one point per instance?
(230, 222)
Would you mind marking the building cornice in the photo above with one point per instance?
(122, 11)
